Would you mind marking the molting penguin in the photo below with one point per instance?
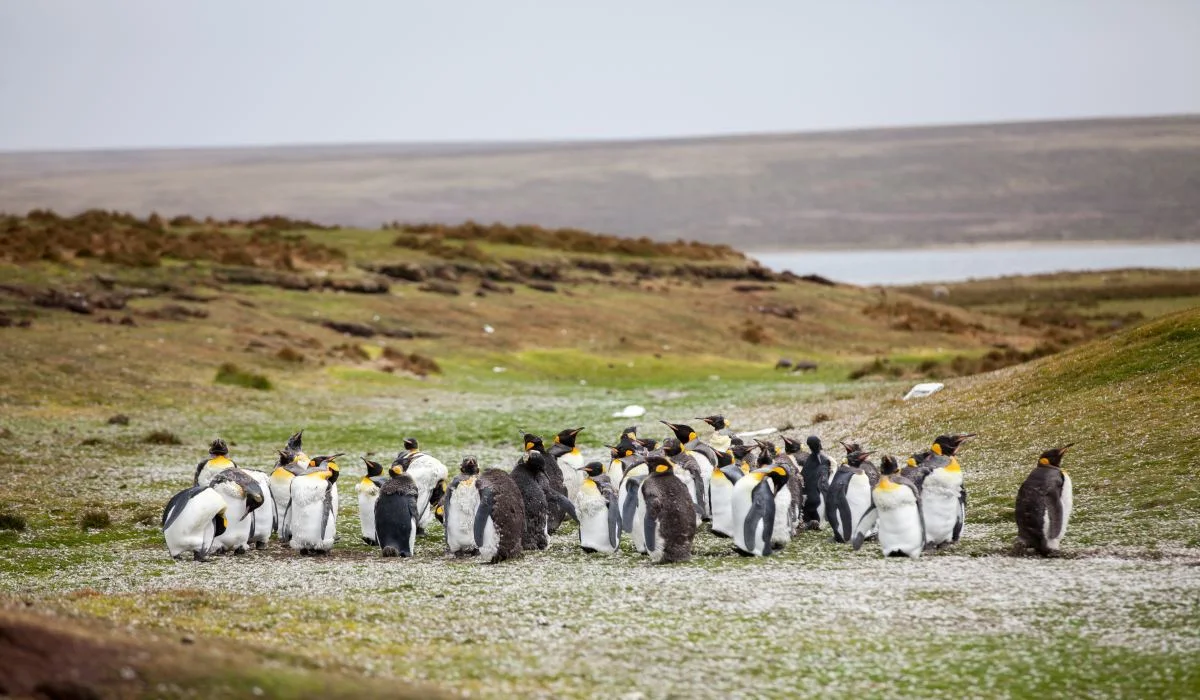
(552, 482)
(312, 513)
(599, 511)
(217, 462)
(754, 510)
(817, 471)
(367, 489)
(242, 496)
(849, 494)
(569, 459)
(895, 515)
(459, 509)
(786, 457)
(396, 514)
(532, 483)
(781, 532)
(500, 519)
(191, 521)
(428, 473)
(670, 515)
(688, 471)
(943, 496)
(722, 436)
(1044, 504)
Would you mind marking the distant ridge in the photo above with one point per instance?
(1078, 180)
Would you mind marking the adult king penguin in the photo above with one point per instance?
(312, 513)
(670, 516)
(500, 520)
(720, 497)
(599, 511)
(242, 496)
(292, 463)
(817, 470)
(943, 495)
(428, 473)
(849, 494)
(459, 508)
(569, 459)
(704, 455)
(895, 515)
(191, 521)
(1044, 504)
(396, 514)
(781, 532)
(754, 510)
(688, 471)
(217, 462)
(367, 489)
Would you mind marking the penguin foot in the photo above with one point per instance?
(260, 545)
(370, 542)
(1018, 549)
(390, 552)
(240, 550)
(304, 552)
(813, 525)
(199, 556)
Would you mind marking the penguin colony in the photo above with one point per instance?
(660, 494)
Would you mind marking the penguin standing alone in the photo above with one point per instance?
(500, 519)
(1044, 504)
(459, 508)
(396, 514)
(367, 489)
(599, 512)
(754, 510)
(817, 470)
(895, 515)
(670, 514)
(191, 521)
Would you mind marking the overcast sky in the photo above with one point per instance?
(115, 73)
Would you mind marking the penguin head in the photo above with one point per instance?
(778, 477)
(592, 468)
(373, 468)
(629, 433)
(567, 437)
(329, 464)
(717, 422)
(411, 444)
(766, 455)
(916, 460)
(659, 465)
(888, 465)
(397, 469)
(469, 466)
(740, 452)
(767, 446)
(1053, 458)
(857, 457)
(791, 446)
(735, 440)
(533, 442)
(536, 460)
(814, 444)
(683, 433)
(627, 448)
(671, 447)
(947, 445)
(851, 447)
(724, 459)
(294, 442)
(254, 495)
(218, 447)
(439, 512)
(648, 444)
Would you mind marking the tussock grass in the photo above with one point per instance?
(232, 375)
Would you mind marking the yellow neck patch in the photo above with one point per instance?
(886, 484)
(220, 462)
(953, 466)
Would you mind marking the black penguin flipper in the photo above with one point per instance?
(327, 509)
(177, 503)
(764, 495)
(1054, 512)
(844, 517)
(756, 514)
(219, 524)
(563, 502)
(199, 468)
(285, 528)
(630, 508)
(487, 501)
(865, 523)
(614, 522)
(962, 515)
(921, 520)
(649, 526)
(407, 523)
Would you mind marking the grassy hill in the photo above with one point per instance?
(1125, 179)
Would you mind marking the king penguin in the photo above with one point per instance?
(599, 511)
(529, 475)
(894, 515)
(459, 508)
(552, 482)
(429, 474)
(312, 513)
(704, 455)
(500, 519)
(396, 514)
(669, 522)
(1044, 504)
(849, 494)
(770, 456)
(720, 495)
(817, 471)
(569, 460)
(943, 495)
(367, 489)
(191, 521)
(688, 472)
(217, 462)
(291, 463)
(242, 496)
(754, 510)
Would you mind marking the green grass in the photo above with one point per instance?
(232, 375)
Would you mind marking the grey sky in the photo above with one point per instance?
(107, 73)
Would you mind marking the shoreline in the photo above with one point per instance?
(959, 247)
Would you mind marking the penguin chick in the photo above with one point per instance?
(1044, 504)
(396, 514)
(500, 520)
(553, 481)
(670, 515)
